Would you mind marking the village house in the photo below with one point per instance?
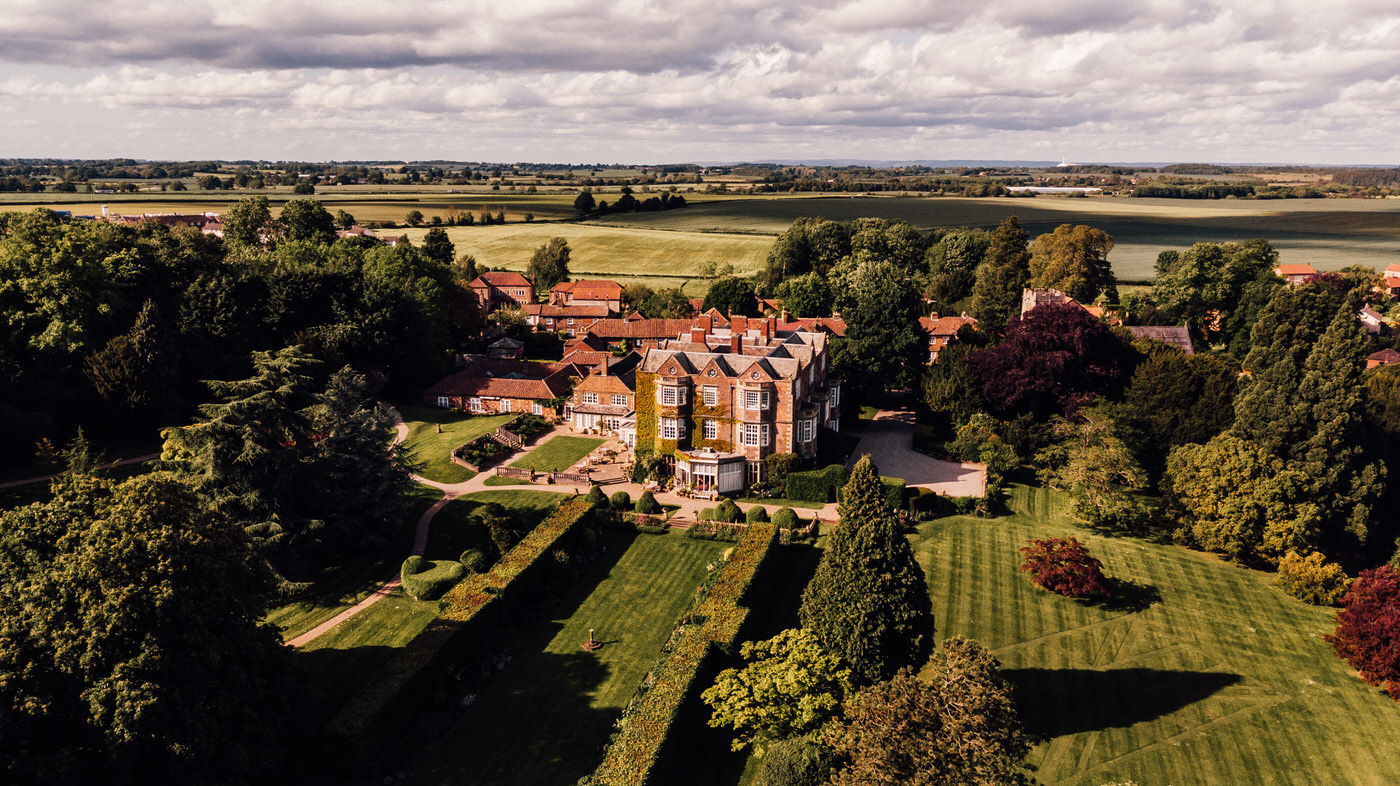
(1373, 322)
(1295, 275)
(569, 319)
(502, 288)
(1390, 282)
(492, 387)
(942, 330)
(1030, 298)
(1385, 357)
(588, 292)
(605, 401)
(1173, 335)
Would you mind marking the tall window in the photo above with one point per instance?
(672, 428)
(536, 408)
(474, 405)
(756, 434)
(671, 395)
(505, 405)
(711, 429)
(590, 398)
(755, 399)
(711, 394)
(444, 401)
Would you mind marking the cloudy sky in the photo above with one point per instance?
(647, 81)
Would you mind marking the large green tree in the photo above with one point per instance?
(868, 600)
(131, 643)
(807, 295)
(1074, 260)
(549, 265)
(1003, 274)
(307, 221)
(248, 221)
(438, 247)
(730, 295)
(1175, 398)
(952, 263)
(959, 727)
(790, 686)
(884, 347)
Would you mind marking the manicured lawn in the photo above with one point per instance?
(545, 718)
(341, 586)
(497, 480)
(433, 451)
(1218, 678)
(558, 454)
(339, 662)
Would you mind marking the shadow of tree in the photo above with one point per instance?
(1128, 596)
(1055, 702)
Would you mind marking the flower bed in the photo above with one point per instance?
(480, 453)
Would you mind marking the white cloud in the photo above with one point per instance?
(711, 78)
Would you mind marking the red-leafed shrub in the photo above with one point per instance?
(1064, 566)
(1368, 628)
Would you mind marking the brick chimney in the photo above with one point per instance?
(772, 326)
(697, 335)
(707, 323)
(736, 345)
(739, 325)
(763, 329)
(603, 370)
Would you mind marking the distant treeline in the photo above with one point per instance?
(1367, 177)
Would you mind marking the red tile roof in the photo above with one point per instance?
(944, 326)
(1295, 270)
(614, 329)
(502, 278)
(589, 289)
(471, 383)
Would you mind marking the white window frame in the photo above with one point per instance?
(619, 400)
(505, 405)
(444, 401)
(474, 404)
(536, 408)
(808, 430)
(711, 429)
(672, 428)
(753, 434)
(590, 398)
(711, 395)
(765, 435)
(753, 400)
(674, 392)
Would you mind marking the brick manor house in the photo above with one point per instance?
(718, 400)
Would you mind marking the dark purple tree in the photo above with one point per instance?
(1054, 360)
(1368, 628)
(1065, 567)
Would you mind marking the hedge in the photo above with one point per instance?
(647, 503)
(786, 518)
(894, 492)
(393, 697)
(818, 485)
(428, 580)
(728, 512)
(704, 637)
(756, 514)
(620, 500)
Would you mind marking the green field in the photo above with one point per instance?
(658, 258)
(1327, 233)
(559, 453)
(544, 719)
(433, 451)
(1218, 678)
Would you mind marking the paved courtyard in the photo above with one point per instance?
(889, 441)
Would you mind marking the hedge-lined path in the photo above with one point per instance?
(687, 513)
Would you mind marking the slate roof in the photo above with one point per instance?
(1175, 335)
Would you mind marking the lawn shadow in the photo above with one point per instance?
(1128, 596)
(1056, 702)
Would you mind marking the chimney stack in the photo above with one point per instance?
(697, 335)
(736, 345)
(772, 326)
(739, 325)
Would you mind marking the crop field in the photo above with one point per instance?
(1203, 672)
(659, 258)
(546, 716)
(1327, 233)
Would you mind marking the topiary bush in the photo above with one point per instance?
(475, 560)
(596, 496)
(431, 580)
(647, 504)
(755, 515)
(1312, 579)
(728, 512)
(786, 518)
(800, 761)
(620, 500)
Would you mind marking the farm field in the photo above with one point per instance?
(545, 718)
(629, 254)
(1327, 233)
(1219, 678)
(433, 451)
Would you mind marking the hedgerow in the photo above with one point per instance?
(705, 635)
(427, 580)
(396, 693)
(818, 485)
